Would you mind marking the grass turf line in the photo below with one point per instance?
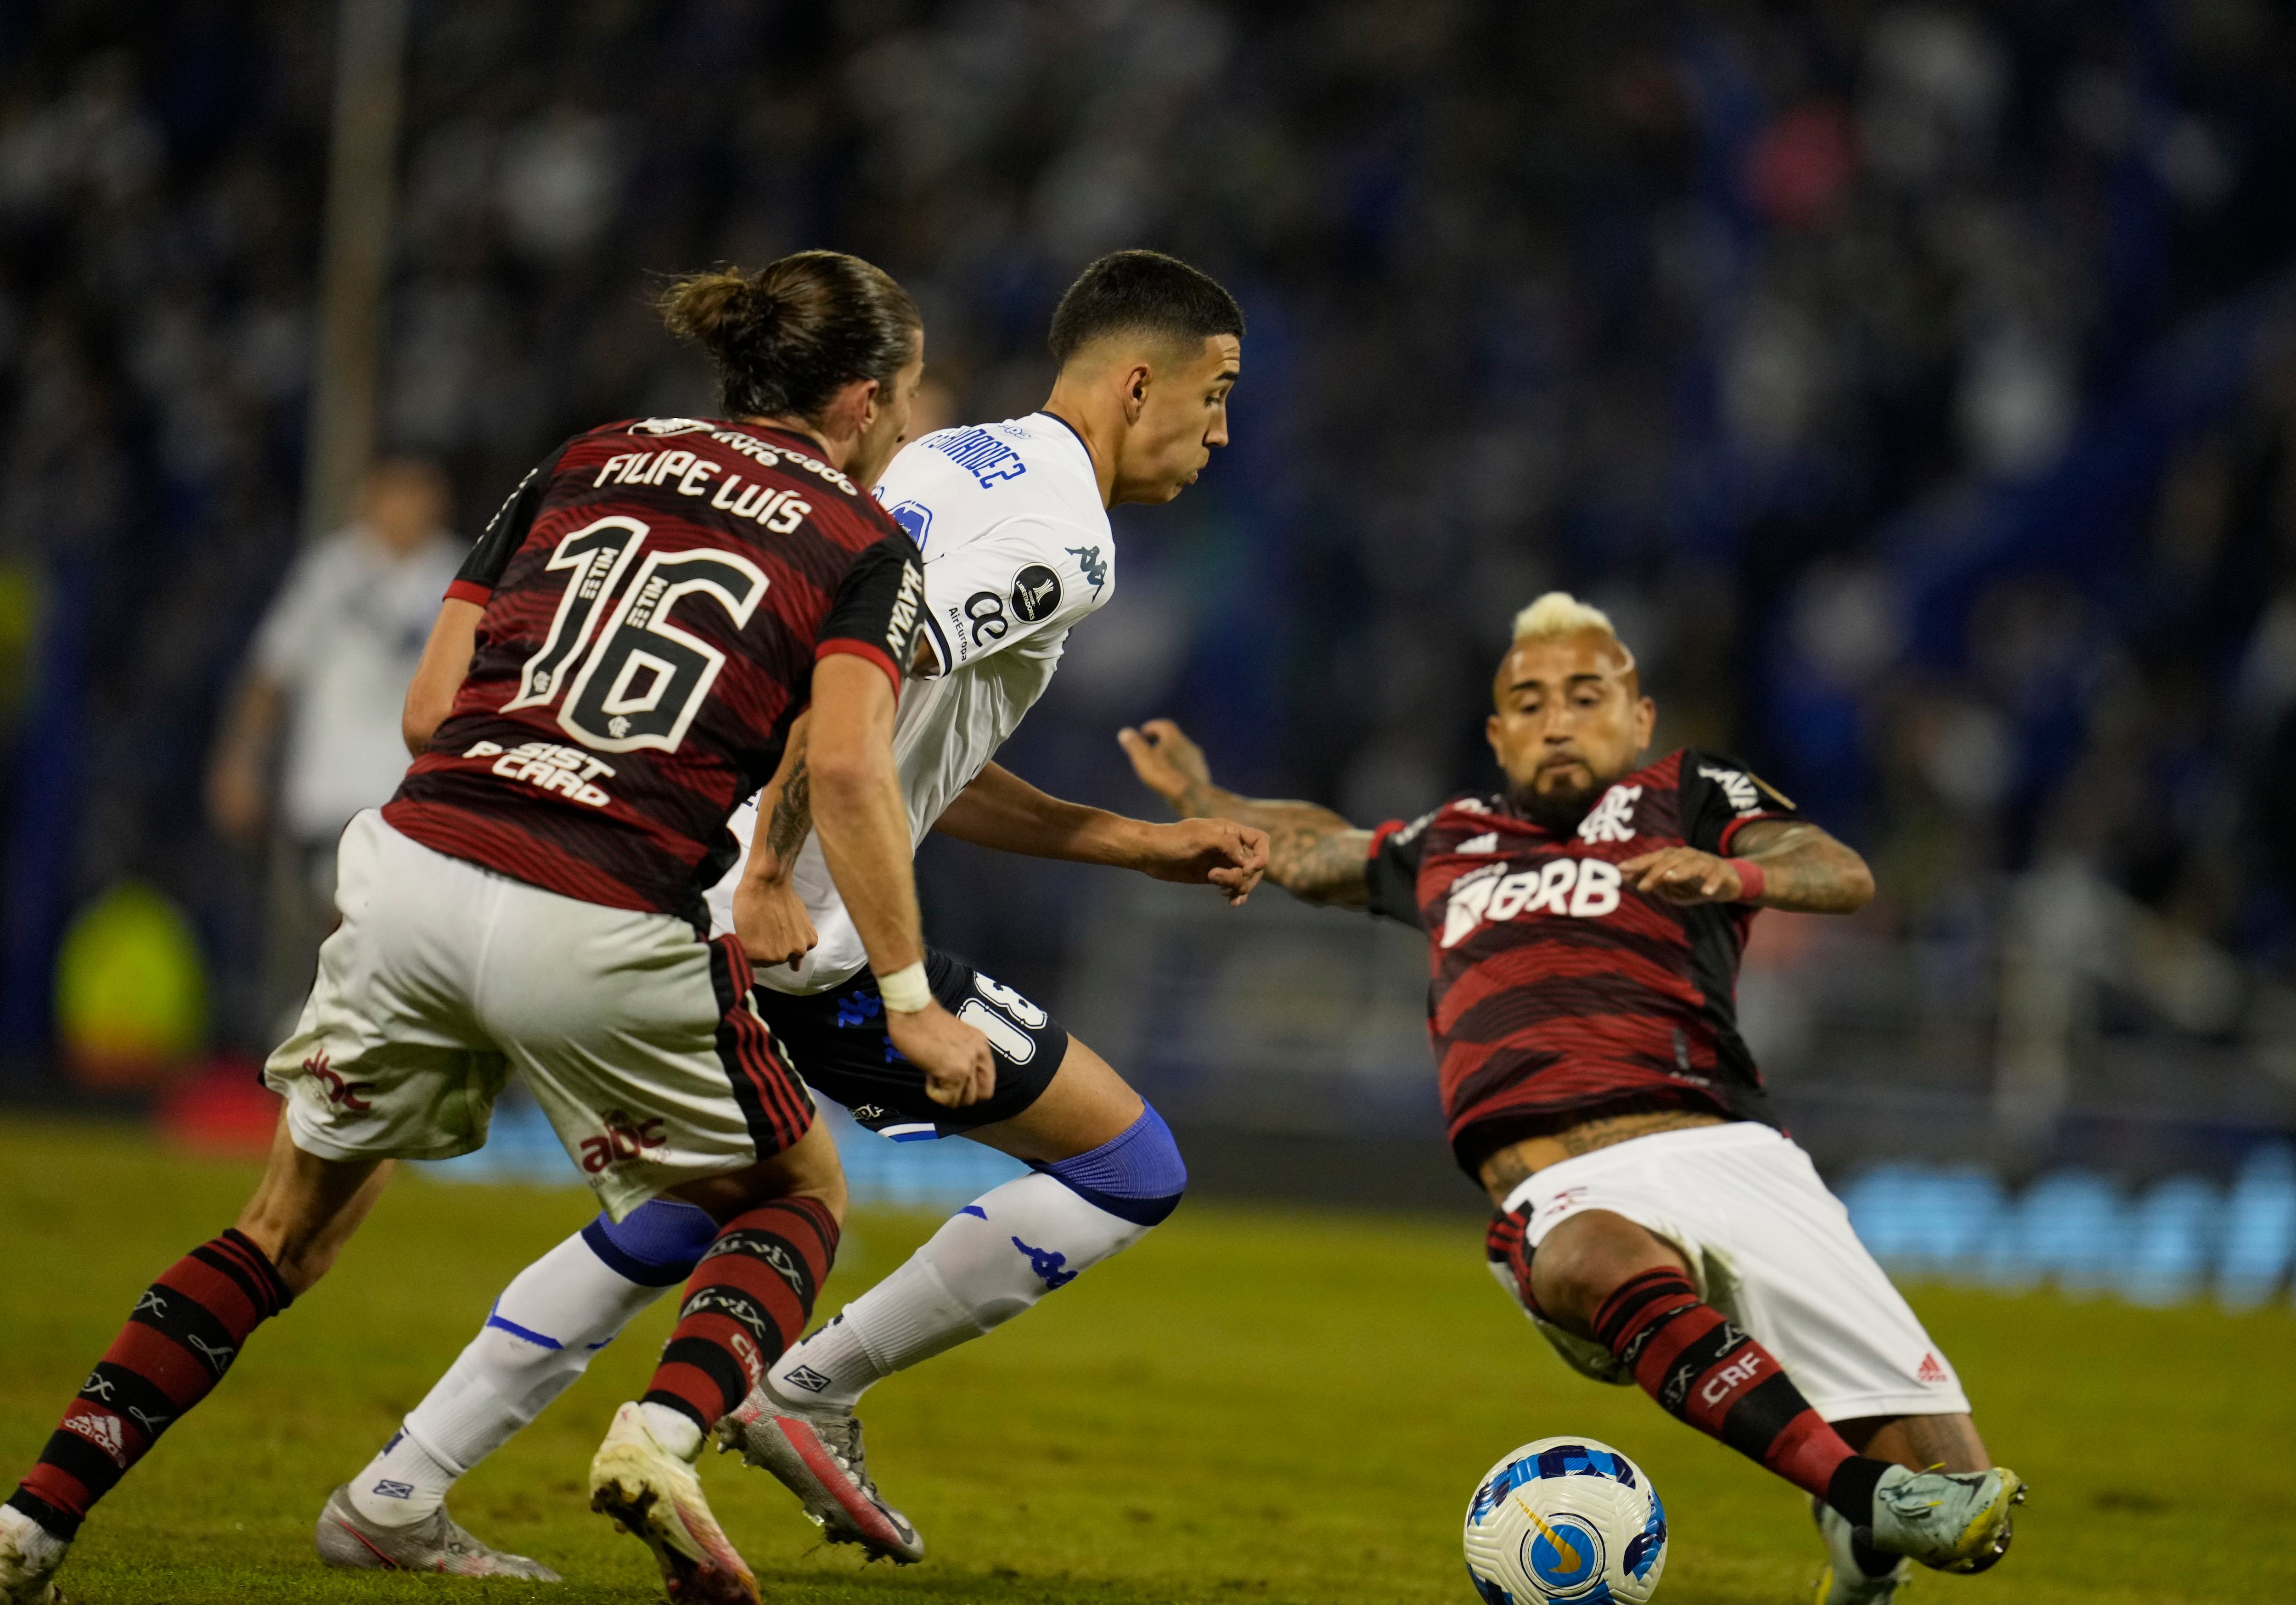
(1253, 1405)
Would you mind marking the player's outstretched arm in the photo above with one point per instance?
(1799, 867)
(863, 823)
(769, 915)
(446, 660)
(1312, 853)
(1001, 810)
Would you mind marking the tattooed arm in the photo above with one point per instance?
(1312, 853)
(769, 915)
(1803, 869)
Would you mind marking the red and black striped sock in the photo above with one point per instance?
(749, 1299)
(1706, 1371)
(182, 1336)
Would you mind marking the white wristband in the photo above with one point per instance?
(906, 991)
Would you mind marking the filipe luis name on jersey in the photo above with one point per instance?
(779, 511)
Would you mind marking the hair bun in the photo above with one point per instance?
(784, 339)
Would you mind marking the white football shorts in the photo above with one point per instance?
(637, 1038)
(1771, 1249)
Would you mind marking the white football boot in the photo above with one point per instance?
(1954, 1521)
(349, 1542)
(817, 1455)
(654, 1494)
(29, 1555)
(1844, 1581)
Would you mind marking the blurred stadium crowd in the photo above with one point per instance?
(1915, 383)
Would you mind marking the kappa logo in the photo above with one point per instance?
(1047, 1264)
(1093, 567)
(103, 1431)
(805, 1377)
(344, 1094)
(1932, 1374)
(1613, 818)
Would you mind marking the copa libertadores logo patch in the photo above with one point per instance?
(1035, 593)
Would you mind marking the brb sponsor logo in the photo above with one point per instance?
(628, 1137)
(1581, 888)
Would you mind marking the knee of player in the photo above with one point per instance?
(656, 1245)
(1137, 1175)
(1584, 1260)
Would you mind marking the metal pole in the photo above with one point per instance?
(355, 262)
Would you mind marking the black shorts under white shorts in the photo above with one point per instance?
(836, 1041)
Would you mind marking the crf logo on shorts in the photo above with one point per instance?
(628, 1137)
(1583, 888)
(349, 1095)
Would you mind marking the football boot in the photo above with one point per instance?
(817, 1455)
(1955, 1521)
(1844, 1581)
(437, 1544)
(654, 1495)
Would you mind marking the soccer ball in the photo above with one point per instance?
(1565, 1519)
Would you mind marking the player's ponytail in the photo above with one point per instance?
(785, 339)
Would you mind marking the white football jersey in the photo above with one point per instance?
(1017, 549)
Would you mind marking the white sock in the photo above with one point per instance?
(540, 1336)
(988, 1262)
(40, 1548)
(673, 1429)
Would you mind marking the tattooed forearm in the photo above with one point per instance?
(1312, 853)
(1804, 868)
(792, 818)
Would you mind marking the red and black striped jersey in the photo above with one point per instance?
(656, 594)
(1558, 993)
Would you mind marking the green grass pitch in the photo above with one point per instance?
(1254, 1404)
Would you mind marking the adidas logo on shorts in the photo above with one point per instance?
(1931, 1372)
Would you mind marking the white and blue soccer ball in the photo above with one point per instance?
(1565, 1519)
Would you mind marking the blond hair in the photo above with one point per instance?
(1560, 613)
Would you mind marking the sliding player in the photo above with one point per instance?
(1585, 927)
(1012, 519)
(649, 614)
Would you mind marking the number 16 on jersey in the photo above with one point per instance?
(642, 681)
